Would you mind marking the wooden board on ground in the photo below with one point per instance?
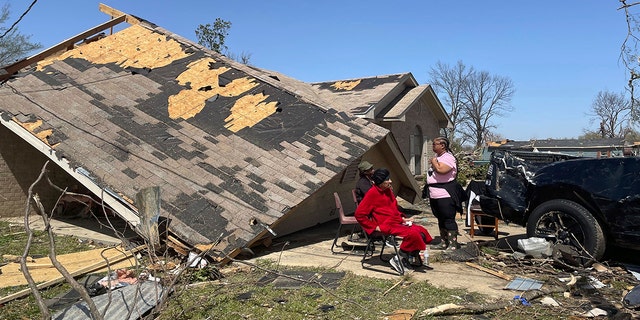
(12, 276)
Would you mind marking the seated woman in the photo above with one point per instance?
(378, 211)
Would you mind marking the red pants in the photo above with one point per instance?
(414, 237)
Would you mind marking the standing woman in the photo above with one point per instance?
(442, 189)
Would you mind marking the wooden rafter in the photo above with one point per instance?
(7, 71)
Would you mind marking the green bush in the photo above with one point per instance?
(468, 170)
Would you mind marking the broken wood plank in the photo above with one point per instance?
(177, 245)
(93, 267)
(498, 274)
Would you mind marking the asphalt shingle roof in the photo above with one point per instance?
(229, 147)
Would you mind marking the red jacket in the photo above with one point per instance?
(378, 208)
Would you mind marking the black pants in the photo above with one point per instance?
(445, 211)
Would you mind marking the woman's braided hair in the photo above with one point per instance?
(447, 147)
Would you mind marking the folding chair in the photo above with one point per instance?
(370, 249)
(344, 221)
(355, 198)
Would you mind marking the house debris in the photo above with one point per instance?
(238, 156)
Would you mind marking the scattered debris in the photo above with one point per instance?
(595, 312)
(632, 298)
(535, 247)
(524, 284)
(440, 309)
(129, 302)
(521, 300)
(296, 279)
(548, 301)
(12, 276)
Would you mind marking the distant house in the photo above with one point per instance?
(593, 148)
(240, 155)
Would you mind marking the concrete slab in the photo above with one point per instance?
(99, 230)
(311, 248)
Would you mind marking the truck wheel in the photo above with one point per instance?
(570, 224)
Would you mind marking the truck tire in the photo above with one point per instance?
(568, 223)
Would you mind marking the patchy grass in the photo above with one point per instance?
(12, 242)
(241, 296)
(13, 239)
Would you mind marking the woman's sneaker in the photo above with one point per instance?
(396, 264)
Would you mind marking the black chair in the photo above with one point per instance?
(370, 249)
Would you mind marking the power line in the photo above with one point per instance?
(15, 23)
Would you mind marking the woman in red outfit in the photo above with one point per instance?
(378, 211)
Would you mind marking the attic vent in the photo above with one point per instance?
(274, 77)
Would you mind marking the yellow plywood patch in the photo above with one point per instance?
(42, 135)
(346, 85)
(140, 47)
(189, 102)
(249, 110)
(135, 46)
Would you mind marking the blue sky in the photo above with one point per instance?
(559, 53)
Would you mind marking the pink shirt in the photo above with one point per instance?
(438, 193)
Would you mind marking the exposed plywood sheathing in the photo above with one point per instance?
(142, 48)
(42, 135)
(345, 85)
(249, 110)
(204, 84)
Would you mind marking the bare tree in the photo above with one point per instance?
(451, 81)
(13, 45)
(629, 54)
(243, 57)
(487, 96)
(474, 98)
(612, 112)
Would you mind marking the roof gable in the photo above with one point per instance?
(361, 96)
(385, 98)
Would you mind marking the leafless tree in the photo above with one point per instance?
(451, 80)
(474, 98)
(486, 97)
(629, 52)
(612, 112)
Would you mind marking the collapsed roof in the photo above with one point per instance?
(232, 149)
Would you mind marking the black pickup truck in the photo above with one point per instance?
(587, 204)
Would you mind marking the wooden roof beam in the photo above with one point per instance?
(117, 13)
(69, 43)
